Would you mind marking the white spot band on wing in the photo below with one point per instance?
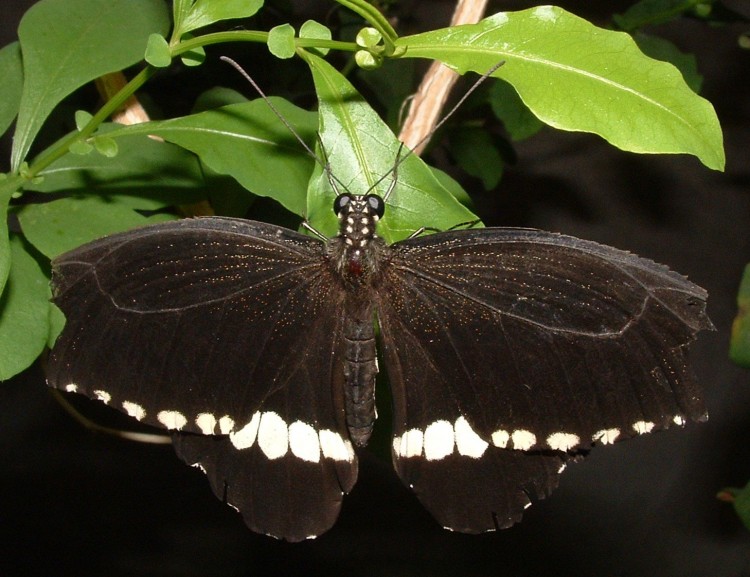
(273, 435)
(523, 440)
(206, 422)
(500, 438)
(409, 444)
(439, 440)
(245, 437)
(468, 443)
(643, 427)
(304, 442)
(134, 410)
(563, 441)
(335, 447)
(172, 419)
(226, 425)
(606, 436)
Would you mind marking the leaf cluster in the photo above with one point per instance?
(101, 177)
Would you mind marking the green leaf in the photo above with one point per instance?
(518, 120)
(80, 148)
(740, 499)
(67, 43)
(194, 57)
(362, 150)
(367, 60)
(475, 152)
(106, 146)
(281, 41)
(180, 11)
(228, 198)
(452, 186)
(739, 344)
(11, 71)
(662, 49)
(742, 504)
(391, 84)
(217, 97)
(369, 38)
(154, 174)
(158, 53)
(575, 76)
(205, 12)
(248, 142)
(61, 225)
(24, 308)
(56, 324)
(651, 12)
(82, 118)
(5, 194)
(317, 31)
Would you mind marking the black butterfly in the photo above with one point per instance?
(509, 352)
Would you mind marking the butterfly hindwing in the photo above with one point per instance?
(472, 495)
(288, 485)
(532, 344)
(286, 497)
(226, 331)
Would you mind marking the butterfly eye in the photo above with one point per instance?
(341, 202)
(376, 205)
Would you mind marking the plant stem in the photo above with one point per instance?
(61, 148)
(255, 36)
(376, 19)
(219, 38)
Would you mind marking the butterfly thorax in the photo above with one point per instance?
(356, 249)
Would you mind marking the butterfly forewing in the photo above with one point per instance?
(530, 344)
(218, 327)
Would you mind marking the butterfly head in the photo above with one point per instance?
(358, 217)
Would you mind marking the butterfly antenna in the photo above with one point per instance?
(458, 104)
(324, 164)
(399, 158)
(426, 137)
(270, 104)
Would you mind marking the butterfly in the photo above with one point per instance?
(510, 353)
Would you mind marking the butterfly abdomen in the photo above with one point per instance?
(360, 369)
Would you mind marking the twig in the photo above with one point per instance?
(429, 100)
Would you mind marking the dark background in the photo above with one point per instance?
(75, 503)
